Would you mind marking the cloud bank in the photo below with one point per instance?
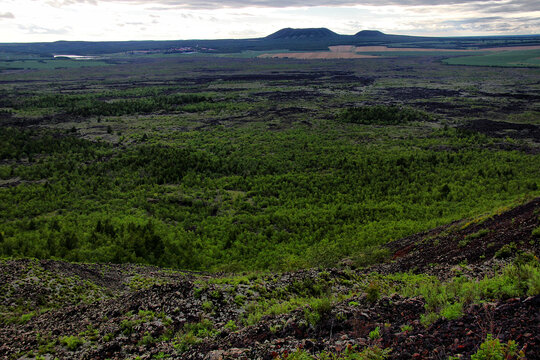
(487, 5)
(50, 20)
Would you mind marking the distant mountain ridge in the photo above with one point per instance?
(293, 39)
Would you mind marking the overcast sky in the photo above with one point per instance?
(51, 20)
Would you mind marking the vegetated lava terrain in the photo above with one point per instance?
(225, 165)
(124, 311)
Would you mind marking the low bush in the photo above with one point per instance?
(317, 310)
(350, 353)
(71, 342)
(452, 311)
(493, 349)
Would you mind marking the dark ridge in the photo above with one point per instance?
(310, 39)
(301, 34)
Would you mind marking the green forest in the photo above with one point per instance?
(195, 177)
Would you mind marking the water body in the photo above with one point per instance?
(76, 57)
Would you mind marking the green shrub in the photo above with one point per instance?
(317, 310)
(322, 306)
(126, 326)
(71, 342)
(297, 355)
(452, 311)
(375, 334)
(478, 234)
(373, 292)
(463, 243)
(147, 339)
(147, 315)
(204, 328)
(532, 279)
(231, 325)
(371, 255)
(506, 251)
(91, 333)
(350, 353)
(207, 306)
(27, 317)
(428, 318)
(197, 292)
(193, 333)
(216, 295)
(406, 328)
(240, 299)
(161, 355)
(493, 349)
(371, 353)
(435, 295)
(185, 341)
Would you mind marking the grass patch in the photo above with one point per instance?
(49, 64)
(518, 58)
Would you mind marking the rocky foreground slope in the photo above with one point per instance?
(440, 294)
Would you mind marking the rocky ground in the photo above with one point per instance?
(439, 294)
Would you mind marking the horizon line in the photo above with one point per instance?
(263, 37)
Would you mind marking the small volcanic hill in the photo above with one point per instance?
(302, 34)
(370, 33)
(436, 294)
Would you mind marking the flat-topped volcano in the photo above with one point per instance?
(301, 34)
(370, 33)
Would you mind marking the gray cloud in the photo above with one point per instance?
(508, 7)
(495, 24)
(517, 5)
(7, 15)
(136, 23)
(487, 5)
(247, 33)
(34, 29)
(243, 14)
(60, 3)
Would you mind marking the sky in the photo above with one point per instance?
(103, 20)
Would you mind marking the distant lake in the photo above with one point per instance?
(76, 57)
